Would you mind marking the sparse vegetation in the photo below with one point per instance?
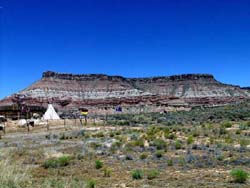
(56, 163)
(137, 174)
(91, 184)
(152, 174)
(206, 146)
(159, 154)
(98, 164)
(239, 176)
(107, 172)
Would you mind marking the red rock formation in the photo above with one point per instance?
(68, 91)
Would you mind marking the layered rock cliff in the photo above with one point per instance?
(69, 91)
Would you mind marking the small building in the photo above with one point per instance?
(16, 112)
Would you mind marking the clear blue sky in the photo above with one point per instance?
(133, 38)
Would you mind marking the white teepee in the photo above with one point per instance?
(50, 113)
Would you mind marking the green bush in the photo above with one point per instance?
(159, 154)
(239, 176)
(137, 174)
(190, 140)
(171, 136)
(91, 184)
(152, 174)
(196, 133)
(56, 163)
(136, 143)
(100, 134)
(143, 156)
(177, 144)
(159, 144)
(243, 127)
(229, 139)
(222, 131)
(51, 163)
(98, 164)
(170, 162)
(243, 142)
(238, 132)
(248, 124)
(63, 161)
(107, 172)
(139, 143)
(226, 125)
(80, 156)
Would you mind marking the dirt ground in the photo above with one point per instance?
(117, 148)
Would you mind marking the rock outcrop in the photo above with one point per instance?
(102, 92)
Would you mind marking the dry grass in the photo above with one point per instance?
(12, 175)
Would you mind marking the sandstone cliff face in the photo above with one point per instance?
(96, 86)
(68, 91)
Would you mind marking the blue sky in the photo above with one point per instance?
(133, 38)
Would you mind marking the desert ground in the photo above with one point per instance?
(130, 151)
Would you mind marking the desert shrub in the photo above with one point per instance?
(151, 131)
(152, 174)
(177, 144)
(166, 132)
(220, 157)
(190, 140)
(248, 124)
(136, 143)
(196, 133)
(139, 143)
(137, 174)
(238, 132)
(243, 142)
(62, 137)
(129, 157)
(159, 154)
(226, 125)
(99, 134)
(243, 127)
(51, 163)
(107, 172)
(229, 139)
(239, 176)
(182, 162)
(170, 162)
(63, 161)
(111, 134)
(95, 145)
(117, 144)
(79, 156)
(171, 136)
(159, 144)
(222, 131)
(91, 184)
(56, 163)
(98, 164)
(143, 156)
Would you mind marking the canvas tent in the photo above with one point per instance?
(50, 113)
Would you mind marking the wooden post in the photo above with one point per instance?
(28, 127)
(4, 131)
(94, 119)
(86, 121)
(64, 122)
(106, 118)
(47, 125)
